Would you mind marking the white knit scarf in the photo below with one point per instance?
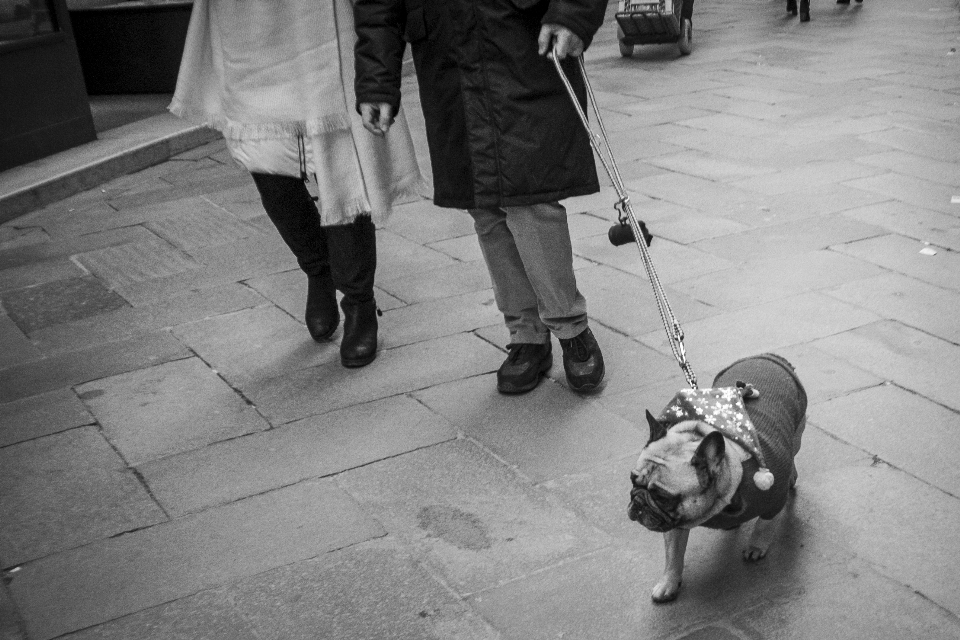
(261, 69)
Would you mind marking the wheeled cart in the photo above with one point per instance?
(654, 22)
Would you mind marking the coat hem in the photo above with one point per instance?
(515, 201)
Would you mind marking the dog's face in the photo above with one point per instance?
(675, 480)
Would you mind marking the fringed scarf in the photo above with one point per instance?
(262, 69)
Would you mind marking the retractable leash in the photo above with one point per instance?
(637, 230)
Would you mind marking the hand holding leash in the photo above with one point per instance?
(559, 42)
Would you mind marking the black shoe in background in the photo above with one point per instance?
(582, 361)
(524, 366)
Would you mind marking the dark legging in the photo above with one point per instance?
(686, 11)
(347, 254)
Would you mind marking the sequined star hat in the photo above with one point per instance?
(722, 408)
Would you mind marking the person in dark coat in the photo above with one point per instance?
(506, 144)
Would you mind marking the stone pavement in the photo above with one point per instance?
(178, 460)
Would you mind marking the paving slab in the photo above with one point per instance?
(545, 433)
(903, 527)
(910, 358)
(135, 262)
(106, 580)
(764, 328)
(40, 273)
(859, 604)
(442, 281)
(769, 279)
(58, 302)
(902, 255)
(906, 300)
(414, 323)
(167, 409)
(129, 322)
(313, 447)
(374, 590)
(916, 191)
(208, 614)
(872, 420)
(92, 363)
(245, 259)
(255, 344)
(66, 490)
(940, 229)
(402, 370)
(193, 229)
(17, 348)
(472, 519)
(47, 248)
(41, 415)
(790, 238)
(825, 376)
(424, 223)
(627, 305)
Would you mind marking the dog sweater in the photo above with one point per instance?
(778, 415)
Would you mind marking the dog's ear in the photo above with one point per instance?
(657, 429)
(708, 458)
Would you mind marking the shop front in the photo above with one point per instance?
(43, 102)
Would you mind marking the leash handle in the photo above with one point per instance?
(670, 324)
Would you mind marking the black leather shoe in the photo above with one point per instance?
(582, 361)
(524, 366)
(358, 347)
(322, 316)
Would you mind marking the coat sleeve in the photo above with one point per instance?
(583, 17)
(378, 55)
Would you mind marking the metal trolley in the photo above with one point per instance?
(652, 22)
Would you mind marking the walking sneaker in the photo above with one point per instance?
(524, 365)
(582, 361)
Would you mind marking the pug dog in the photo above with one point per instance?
(721, 457)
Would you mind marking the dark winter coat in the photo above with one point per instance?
(500, 126)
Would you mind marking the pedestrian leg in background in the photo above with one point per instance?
(353, 263)
(292, 211)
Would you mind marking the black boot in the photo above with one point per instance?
(358, 347)
(292, 211)
(321, 316)
(353, 264)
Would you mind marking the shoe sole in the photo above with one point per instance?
(358, 362)
(588, 386)
(513, 390)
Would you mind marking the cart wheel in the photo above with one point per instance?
(626, 50)
(686, 37)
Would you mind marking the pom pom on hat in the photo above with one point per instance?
(763, 479)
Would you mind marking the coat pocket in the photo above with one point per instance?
(416, 26)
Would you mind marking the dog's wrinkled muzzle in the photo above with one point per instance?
(645, 510)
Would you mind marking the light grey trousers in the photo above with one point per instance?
(528, 253)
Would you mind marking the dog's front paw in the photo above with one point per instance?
(666, 590)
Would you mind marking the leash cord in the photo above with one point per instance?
(670, 324)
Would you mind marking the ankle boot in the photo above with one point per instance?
(358, 347)
(321, 316)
